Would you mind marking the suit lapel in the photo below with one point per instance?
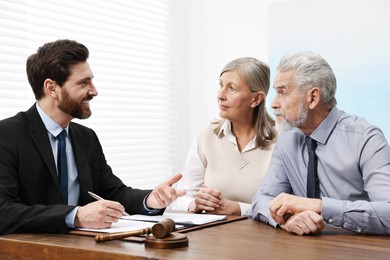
(41, 139)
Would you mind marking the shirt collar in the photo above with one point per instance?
(226, 128)
(324, 130)
(51, 126)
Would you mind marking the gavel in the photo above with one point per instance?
(160, 230)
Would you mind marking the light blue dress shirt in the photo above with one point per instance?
(353, 169)
(53, 129)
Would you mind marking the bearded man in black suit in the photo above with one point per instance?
(31, 198)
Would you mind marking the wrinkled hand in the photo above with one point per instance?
(206, 199)
(164, 194)
(285, 205)
(304, 223)
(99, 214)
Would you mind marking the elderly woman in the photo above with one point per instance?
(230, 157)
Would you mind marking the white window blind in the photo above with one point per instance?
(131, 46)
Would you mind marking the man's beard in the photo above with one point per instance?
(285, 125)
(302, 116)
(282, 126)
(73, 107)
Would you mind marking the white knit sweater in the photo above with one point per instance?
(222, 166)
(237, 175)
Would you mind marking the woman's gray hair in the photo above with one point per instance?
(257, 76)
(311, 70)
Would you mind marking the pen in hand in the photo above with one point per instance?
(97, 197)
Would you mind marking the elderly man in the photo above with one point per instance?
(332, 167)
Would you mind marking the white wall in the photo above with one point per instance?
(210, 34)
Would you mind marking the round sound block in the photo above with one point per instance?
(174, 240)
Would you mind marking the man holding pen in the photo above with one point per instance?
(48, 163)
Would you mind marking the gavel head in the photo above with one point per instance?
(163, 228)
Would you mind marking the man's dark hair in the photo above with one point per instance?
(53, 60)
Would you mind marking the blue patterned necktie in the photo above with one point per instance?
(62, 166)
(313, 187)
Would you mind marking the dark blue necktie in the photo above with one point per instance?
(313, 184)
(62, 166)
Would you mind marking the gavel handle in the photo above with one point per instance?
(108, 237)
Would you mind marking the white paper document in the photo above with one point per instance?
(123, 225)
(179, 218)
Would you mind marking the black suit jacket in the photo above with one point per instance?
(30, 199)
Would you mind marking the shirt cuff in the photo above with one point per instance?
(149, 210)
(333, 211)
(246, 209)
(69, 218)
(267, 220)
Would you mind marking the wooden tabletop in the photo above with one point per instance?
(243, 239)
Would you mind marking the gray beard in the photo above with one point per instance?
(302, 117)
(282, 126)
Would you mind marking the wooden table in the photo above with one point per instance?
(243, 239)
